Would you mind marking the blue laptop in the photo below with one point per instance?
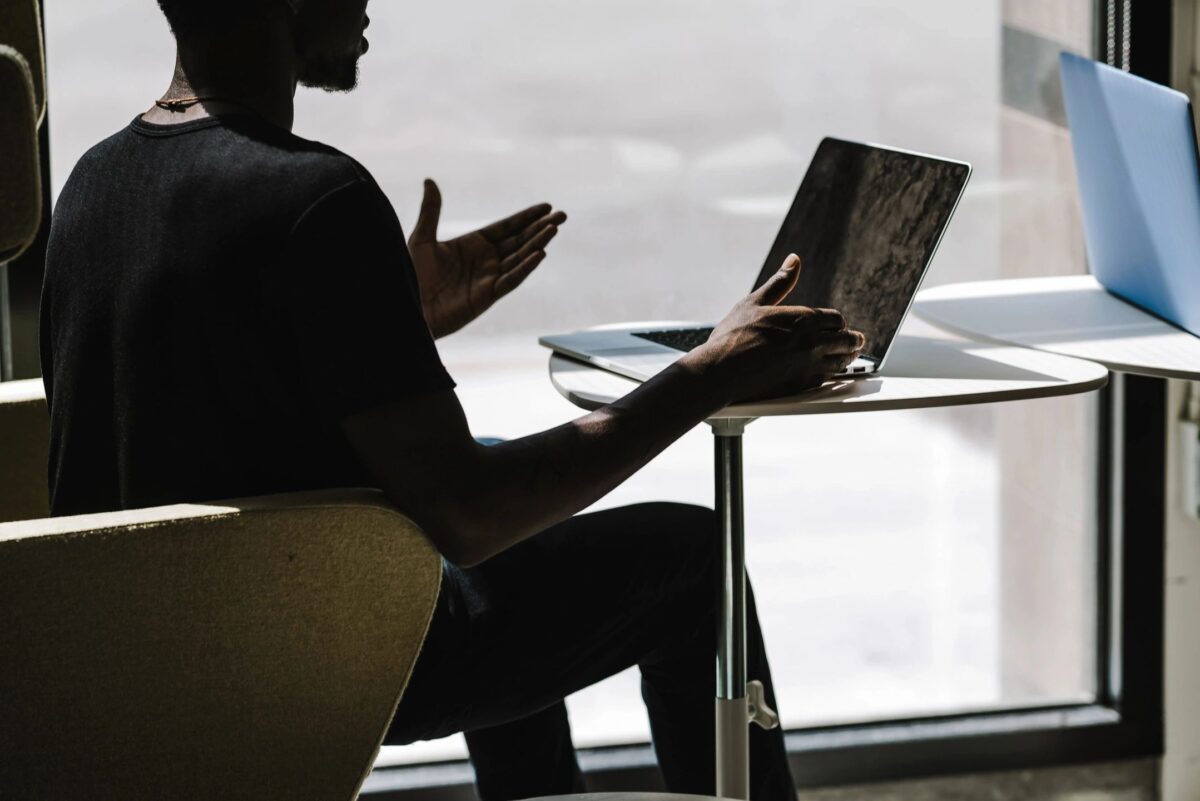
(1139, 183)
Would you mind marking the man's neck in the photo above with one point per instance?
(262, 83)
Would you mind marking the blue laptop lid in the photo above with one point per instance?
(1139, 184)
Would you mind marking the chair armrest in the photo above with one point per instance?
(248, 649)
(24, 449)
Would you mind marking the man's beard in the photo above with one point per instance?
(332, 75)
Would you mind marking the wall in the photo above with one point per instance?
(1181, 763)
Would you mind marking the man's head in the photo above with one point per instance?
(327, 35)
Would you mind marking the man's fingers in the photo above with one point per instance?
(512, 279)
(512, 244)
(804, 318)
(431, 211)
(841, 343)
(502, 229)
(780, 285)
(532, 245)
(811, 319)
(828, 320)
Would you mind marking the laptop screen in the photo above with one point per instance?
(1139, 186)
(865, 224)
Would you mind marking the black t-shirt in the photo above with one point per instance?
(219, 295)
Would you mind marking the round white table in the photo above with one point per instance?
(1076, 316)
(1073, 316)
(920, 372)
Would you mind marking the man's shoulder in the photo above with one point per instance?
(285, 148)
(236, 154)
(96, 157)
(285, 164)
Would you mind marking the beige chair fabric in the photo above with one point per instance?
(24, 438)
(248, 650)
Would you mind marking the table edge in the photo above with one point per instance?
(752, 411)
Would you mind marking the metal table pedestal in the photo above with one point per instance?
(739, 702)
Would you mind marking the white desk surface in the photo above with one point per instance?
(1068, 315)
(921, 372)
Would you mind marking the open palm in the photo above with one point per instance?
(461, 278)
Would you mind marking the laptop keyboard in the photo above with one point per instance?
(684, 339)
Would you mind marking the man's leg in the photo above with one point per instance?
(673, 679)
(526, 758)
(582, 601)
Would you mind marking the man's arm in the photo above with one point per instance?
(476, 501)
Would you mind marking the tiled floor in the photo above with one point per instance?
(1112, 781)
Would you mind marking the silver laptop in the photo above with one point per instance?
(865, 223)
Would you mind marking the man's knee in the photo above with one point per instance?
(684, 537)
(642, 550)
(685, 516)
(689, 524)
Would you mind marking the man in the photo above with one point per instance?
(230, 310)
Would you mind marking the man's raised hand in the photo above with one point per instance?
(461, 278)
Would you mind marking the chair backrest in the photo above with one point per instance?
(20, 168)
(248, 650)
(21, 29)
(24, 441)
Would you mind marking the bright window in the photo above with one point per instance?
(907, 563)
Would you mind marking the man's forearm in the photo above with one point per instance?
(526, 485)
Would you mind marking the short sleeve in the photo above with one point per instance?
(349, 299)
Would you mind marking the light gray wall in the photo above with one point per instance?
(1181, 763)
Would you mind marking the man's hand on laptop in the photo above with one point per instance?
(461, 278)
(475, 501)
(762, 349)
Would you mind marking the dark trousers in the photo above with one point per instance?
(578, 603)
